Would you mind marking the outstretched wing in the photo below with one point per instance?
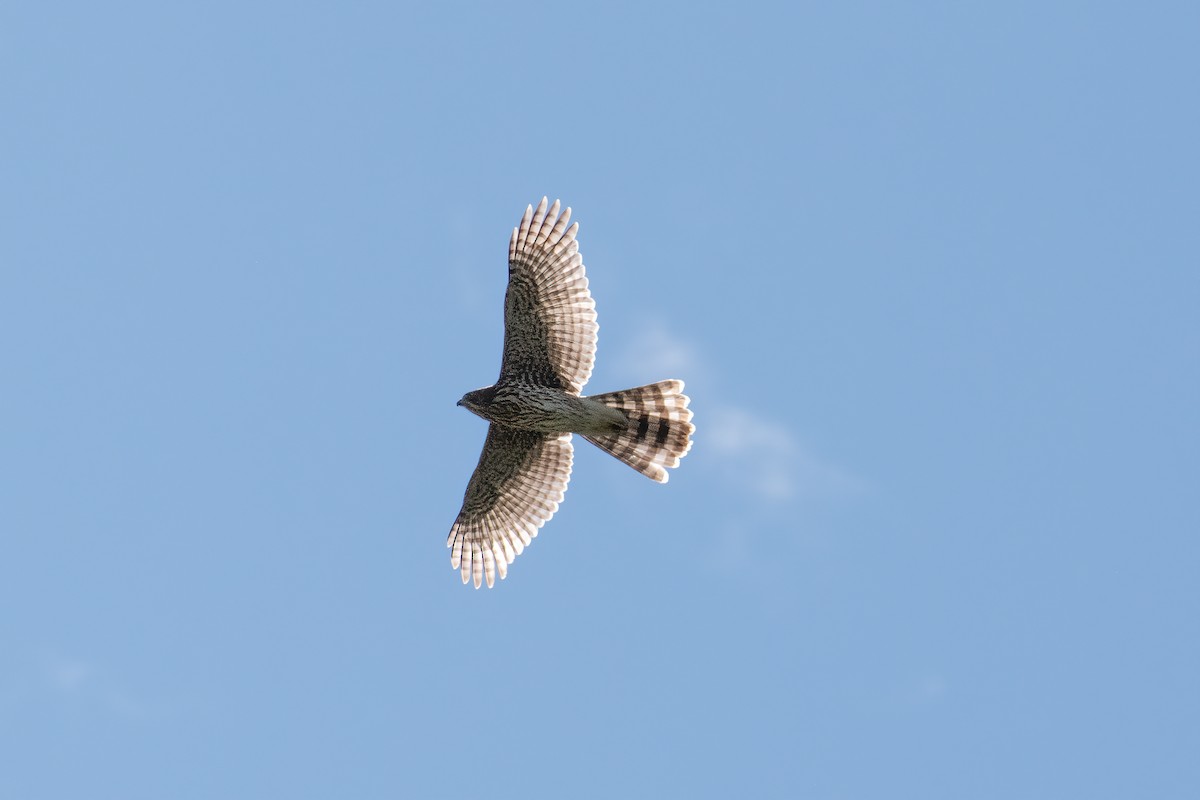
(517, 486)
(549, 316)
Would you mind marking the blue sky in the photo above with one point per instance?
(930, 272)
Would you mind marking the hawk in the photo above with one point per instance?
(537, 403)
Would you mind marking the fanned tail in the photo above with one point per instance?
(659, 429)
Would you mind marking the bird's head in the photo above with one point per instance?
(478, 400)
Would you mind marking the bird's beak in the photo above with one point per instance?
(459, 403)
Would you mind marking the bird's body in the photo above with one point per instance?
(537, 404)
(530, 407)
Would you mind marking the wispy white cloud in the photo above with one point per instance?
(655, 354)
(68, 676)
(78, 682)
(755, 450)
(764, 456)
(750, 451)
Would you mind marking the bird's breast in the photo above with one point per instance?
(543, 409)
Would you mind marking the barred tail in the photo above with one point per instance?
(658, 432)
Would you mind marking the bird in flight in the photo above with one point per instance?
(538, 402)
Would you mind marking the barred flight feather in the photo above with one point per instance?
(659, 429)
(543, 255)
(526, 478)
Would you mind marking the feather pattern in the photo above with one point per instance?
(517, 486)
(549, 316)
(658, 432)
(536, 404)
